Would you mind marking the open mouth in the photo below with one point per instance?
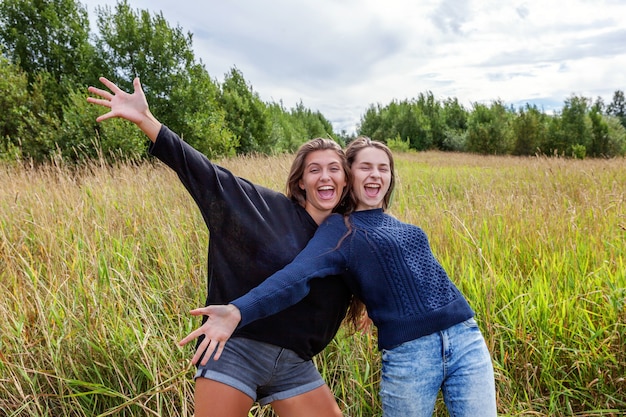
(326, 192)
(372, 190)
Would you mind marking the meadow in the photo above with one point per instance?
(99, 267)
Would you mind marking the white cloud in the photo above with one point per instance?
(340, 56)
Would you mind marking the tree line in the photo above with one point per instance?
(49, 55)
(581, 128)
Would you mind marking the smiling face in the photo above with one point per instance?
(371, 172)
(323, 182)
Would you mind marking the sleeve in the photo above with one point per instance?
(213, 188)
(323, 256)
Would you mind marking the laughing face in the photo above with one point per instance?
(323, 182)
(371, 173)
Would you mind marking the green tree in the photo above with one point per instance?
(425, 122)
(14, 104)
(599, 144)
(530, 128)
(136, 43)
(616, 145)
(80, 138)
(313, 122)
(202, 121)
(556, 140)
(489, 129)
(180, 91)
(455, 121)
(432, 121)
(399, 120)
(246, 114)
(617, 107)
(285, 132)
(412, 124)
(49, 40)
(371, 124)
(25, 126)
(575, 124)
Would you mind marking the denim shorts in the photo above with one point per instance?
(455, 361)
(263, 372)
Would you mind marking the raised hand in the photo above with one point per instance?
(221, 323)
(132, 107)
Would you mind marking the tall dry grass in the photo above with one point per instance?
(99, 267)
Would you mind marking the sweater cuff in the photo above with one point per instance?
(154, 146)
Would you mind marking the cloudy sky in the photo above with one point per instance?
(341, 56)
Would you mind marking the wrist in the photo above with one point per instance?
(235, 312)
(150, 125)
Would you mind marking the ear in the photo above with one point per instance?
(301, 185)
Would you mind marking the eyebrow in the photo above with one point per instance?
(318, 163)
(373, 163)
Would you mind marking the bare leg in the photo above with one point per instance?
(214, 399)
(317, 403)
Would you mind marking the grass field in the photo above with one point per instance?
(100, 266)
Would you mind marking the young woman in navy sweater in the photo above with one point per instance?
(254, 232)
(426, 330)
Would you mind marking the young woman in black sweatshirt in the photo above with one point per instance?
(254, 232)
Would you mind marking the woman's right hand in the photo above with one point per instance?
(222, 320)
(132, 107)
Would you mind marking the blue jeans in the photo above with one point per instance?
(455, 360)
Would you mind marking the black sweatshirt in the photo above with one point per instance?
(254, 232)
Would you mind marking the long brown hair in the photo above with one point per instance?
(357, 308)
(294, 192)
(296, 172)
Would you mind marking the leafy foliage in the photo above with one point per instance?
(25, 126)
(49, 39)
(489, 129)
(136, 43)
(81, 138)
(246, 114)
(617, 107)
(50, 56)
(530, 128)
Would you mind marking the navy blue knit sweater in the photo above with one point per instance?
(254, 232)
(391, 268)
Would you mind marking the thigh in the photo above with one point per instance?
(215, 399)
(412, 374)
(245, 365)
(469, 387)
(319, 402)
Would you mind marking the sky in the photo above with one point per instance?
(340, 57)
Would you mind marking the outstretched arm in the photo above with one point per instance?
(320, 258)
(132, 107)
(221, 323)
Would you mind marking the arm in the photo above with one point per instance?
(206, 182)
(319, 258)
(132, 107)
